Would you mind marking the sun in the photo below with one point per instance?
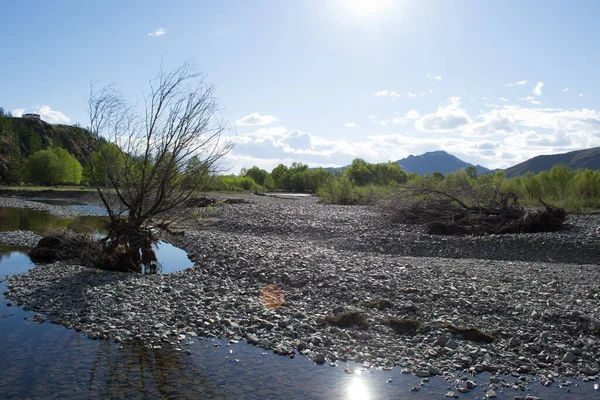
(365, 9)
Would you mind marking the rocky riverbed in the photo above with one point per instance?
(533, 300)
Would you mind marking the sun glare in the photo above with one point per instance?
(365, 9)
(357, 390)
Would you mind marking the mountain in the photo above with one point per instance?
(20, 137)
(428, 163)
(436, 161)
(579, 159)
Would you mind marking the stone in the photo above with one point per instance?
(569, 357)
(451, 394)
(491, 394)
(252, 339)
(320, 358)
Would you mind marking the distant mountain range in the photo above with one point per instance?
(428, 163)
(436, 161)
(441, 161)
(579, 159)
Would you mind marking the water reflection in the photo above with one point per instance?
(14, 219)
(357, 390)
(170, 258)
(49, 361)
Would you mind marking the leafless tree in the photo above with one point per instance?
(153, 158)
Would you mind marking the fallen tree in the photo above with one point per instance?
(444, 212)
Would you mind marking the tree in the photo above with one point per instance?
(71, 169)
(157, 170)
(44, 168)
(258, 175)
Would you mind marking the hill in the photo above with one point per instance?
(436, 161)
(428, 163)
(20, 137)
(578, 159)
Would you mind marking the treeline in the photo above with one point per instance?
(355, 185)
(574, 190)
(365, 183)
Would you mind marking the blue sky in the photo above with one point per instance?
(326, 81)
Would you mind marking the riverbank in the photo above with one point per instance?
(540, 315)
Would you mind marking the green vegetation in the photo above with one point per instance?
(53, 167)
(20, 138)
(361, 183)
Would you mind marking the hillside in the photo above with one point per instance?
(21, 137)
(435, 161)
(579, 159)
(428, 163)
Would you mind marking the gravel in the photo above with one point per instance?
(59, 211)
(536, 295)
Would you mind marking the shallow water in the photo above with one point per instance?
(11, 219)
(50, 361)
(44, 360)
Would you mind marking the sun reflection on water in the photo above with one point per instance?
(357, 390)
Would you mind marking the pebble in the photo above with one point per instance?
(331, 258)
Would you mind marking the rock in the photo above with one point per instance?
(470, 384)
(415, 388)
(451, 394)
(320, 358)
(569, 357)
(491, 394)
(252, 339)
(421, 373)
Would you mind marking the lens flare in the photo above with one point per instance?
(271, 297)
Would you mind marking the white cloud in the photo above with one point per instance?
(566, 89)
(351, 125)
(519, 83)
(537, 90)
(530, 99)
(17, 112)
(53, 116)
(494, 123)
(387, 93)
(580, 94)
(158, 32)
(412, 114)
(503, 99)
(256, 119)
(449, 117)
(421, 94)
(46, 113)
(434, 77)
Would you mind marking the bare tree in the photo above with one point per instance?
(153, 159)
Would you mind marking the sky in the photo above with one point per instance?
(326, 81)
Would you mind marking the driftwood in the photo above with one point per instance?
(444, 213)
